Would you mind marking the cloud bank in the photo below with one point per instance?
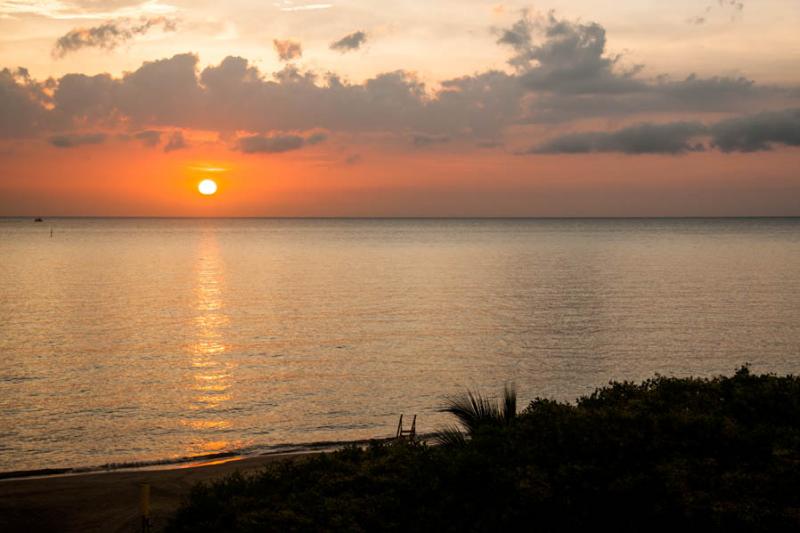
(749, 133)
(560, 75)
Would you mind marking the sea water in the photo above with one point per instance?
(145, 339)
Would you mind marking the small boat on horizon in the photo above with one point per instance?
(38, 219)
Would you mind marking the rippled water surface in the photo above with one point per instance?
(141, 339)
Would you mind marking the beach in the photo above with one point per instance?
(108, 501)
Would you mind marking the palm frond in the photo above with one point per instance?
(509, 409)
(473, 410)
(450, 436)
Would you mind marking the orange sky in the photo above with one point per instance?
(142, 182)
(342, 109)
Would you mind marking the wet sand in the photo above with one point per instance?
(109, 501)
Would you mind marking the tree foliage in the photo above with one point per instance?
(718, 454)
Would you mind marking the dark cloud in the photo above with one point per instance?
(571, 58)
(175, 142)
(22, 111)
(149, 138)
(80, 99)
(353, 159)
(749, 133)
(757, 132)
(670, 138)
(273, 144)
(567, 67)
(163, 92)
(108, 35)
(350, 42)
(77, 139)
(288, 50)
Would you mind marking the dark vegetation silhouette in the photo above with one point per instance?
(474, 411)
(668, 454)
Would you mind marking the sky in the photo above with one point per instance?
(414, 108)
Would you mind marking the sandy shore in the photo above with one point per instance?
(109, 501)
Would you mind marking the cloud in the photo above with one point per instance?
(77, 139)
(757, 132)
(288, 50)
(22, 104)
(748, 133)
(163, 92)
(349, 42)
(670, 138)
(108, 35)
(273, 144)
(571, 58)
(567, 67)
(175, 142)
(353, 159)
(149, 138)
(701, 19)
(423, 139)
(288, 6)
(562, 73)
(84, 9)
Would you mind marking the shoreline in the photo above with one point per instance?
(108, 500)
(188, 461)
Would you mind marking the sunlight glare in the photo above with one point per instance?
(207, 187)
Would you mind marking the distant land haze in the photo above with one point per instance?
(149, 339)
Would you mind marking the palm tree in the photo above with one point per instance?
(473, 411)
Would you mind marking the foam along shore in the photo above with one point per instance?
(108, 501)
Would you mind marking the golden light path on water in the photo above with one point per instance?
(212, 368)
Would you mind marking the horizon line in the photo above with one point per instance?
(402, 217)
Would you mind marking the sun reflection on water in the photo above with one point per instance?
(212, 368)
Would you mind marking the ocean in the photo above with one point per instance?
(125, 340)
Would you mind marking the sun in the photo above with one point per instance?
(207, 187)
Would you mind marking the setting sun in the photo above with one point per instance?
(207, 187)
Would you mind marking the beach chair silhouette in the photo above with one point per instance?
(410, 433)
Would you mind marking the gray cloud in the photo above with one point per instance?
(424, 139)
(108, 35)
(572, 76)
(77, 139)
(571, 58)
(670, 138)
(757, 132)
(350, 42)
(163, 92)
(149, 138)
(273, 144)
(288, 50)
(22, 111)
(175, 142)
(749, 133)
